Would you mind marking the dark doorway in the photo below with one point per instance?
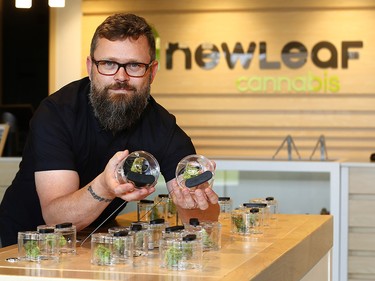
(24, 69)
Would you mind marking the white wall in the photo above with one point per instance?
(68, 44)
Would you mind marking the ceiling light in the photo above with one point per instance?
(56, 3)
(23, 4)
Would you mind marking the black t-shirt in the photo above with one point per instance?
(65, 135)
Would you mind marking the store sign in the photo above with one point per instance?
(294, 55)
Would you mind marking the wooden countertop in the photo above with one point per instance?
(286, 251)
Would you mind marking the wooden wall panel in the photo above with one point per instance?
(361, 224)
(224, 122)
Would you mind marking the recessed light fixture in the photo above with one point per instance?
(56, 3)
(24, 4)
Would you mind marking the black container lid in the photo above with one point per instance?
(224, 198)
(194, 221)
(189, 237)
(270, 198)
(136, 227)
(174, 228)
(255, 205)
(121, 233)
(46, 230)
(157, 221)
(64, 225)
(254, 210)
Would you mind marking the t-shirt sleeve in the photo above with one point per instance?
(50, 139)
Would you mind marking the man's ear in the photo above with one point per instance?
(154, 70)
(88, 66)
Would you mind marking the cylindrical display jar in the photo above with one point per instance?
(139, 168)
(147, 210)
(68, 237)
(141, 236)
(245, 221)
(156, 227)
(101, 249)
(225, 204)
(181, 253)
(39, 245)
(122, 247)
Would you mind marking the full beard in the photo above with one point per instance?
(117, 112)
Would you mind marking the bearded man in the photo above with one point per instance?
(80, 134)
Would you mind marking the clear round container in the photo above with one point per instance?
(156, 228)
(169, 208)
(182, 253)
(39, 245)
(147, 210)
(273, 206)
(139, 168)
(101, 249)
(141, 237)
(68, 237)
(245, 221)
(122, 247)
(207, 231)
(195, 171)
(115, 229)
(173, 232)
(28, 246)
(264, 211)
(225, 204)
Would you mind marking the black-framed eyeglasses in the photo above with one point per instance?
(132, 69)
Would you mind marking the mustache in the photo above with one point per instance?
(121, 86)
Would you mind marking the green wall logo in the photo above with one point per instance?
(294, 55)
(157, 43)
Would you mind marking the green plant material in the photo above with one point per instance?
(190, 171)
(103, 254)
(139, 240)
(172, 210)
(207, 240)
(155, 213)
(119, 246)
(32, 249)
(239, 223)
(175, 254)
(253, 220)
(187, 250)
(62, 241)
(137, 165)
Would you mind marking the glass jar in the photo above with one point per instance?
(264, 212)
(122, 247)
(139, 168)
(195, 171)
(273, 206)
(101, 249)
(39, 245)
(68, 237)
(207, 231)
(156, 227)
(147, 210)
(176, 231)
(141, 239)
(225, 204)
(245, 221)
(181, 253)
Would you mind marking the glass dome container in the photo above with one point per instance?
(194, 171)
(139, 168)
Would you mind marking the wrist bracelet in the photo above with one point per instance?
(96, 196)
